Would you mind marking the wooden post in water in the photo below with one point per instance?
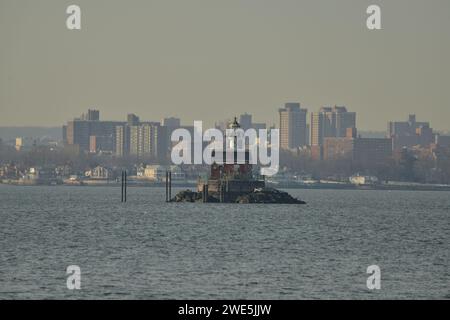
(170, 186)
(167, 186)
(203, 193)
(121, 189)
(221, 190)
(125, 187)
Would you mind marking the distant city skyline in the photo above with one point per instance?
(198, 60)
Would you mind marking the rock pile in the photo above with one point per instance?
(266, 195)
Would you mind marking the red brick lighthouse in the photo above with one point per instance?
(232, 177)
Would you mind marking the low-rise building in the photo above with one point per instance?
(99, 172)
(362, 180)
(158, 172)
(360, 150)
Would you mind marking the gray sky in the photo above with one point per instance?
(213, 59)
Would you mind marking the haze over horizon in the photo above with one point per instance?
(211, 60)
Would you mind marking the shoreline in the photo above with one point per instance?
(312, 186)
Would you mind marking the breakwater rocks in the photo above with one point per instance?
(266, 195)
(188, 196)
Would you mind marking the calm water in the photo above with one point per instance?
(147, 249)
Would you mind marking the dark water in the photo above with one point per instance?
(147, 249)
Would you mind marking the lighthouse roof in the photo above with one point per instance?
(235, 124)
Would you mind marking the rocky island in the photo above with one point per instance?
(233, 182)
(265, 195)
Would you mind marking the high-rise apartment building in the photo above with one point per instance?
(144, 140)
(344, 120)
(171, 122)
(93, 115)
(245, 120)
(132, 119)
(410, 133)
(170, 125)
(317, 128)
(79, 131)
(293, 126)
(122, 141)
(330, 122)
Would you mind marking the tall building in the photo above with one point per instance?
(410, 133)
(78, 132)
(93, 115)
(64, 133)
(142, 140)
(169, 125)
(292, 126)
(317, 128)
(344, 120)
(132, 119)
(171, 122)
(330, 122)
(147, 141)
(122, 141)
(245, 121)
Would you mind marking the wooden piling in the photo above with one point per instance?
(167, 186)
(121, 187)
(170, 186)
(125, 186)
(205, 193)
(222, 193)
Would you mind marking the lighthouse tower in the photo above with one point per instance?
(230, 179)
(235, 137)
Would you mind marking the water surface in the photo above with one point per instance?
(148, 249)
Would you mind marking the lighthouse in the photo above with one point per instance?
(234, 176)
(235, 136)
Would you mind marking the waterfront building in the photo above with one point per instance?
(158, 173)
(99, 172)
(19, 143)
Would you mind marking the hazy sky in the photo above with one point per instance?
(213, 59)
